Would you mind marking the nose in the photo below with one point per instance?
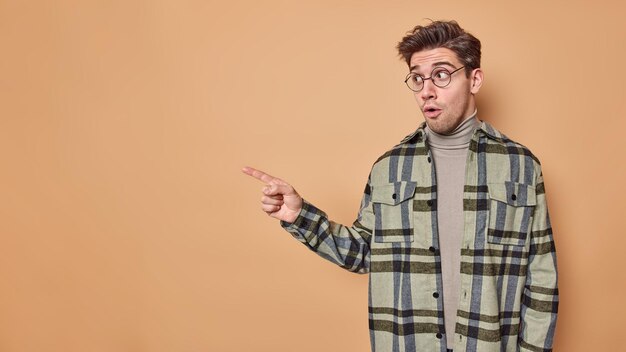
(429, 91)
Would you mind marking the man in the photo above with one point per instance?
(453, 227)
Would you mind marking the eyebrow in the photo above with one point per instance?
(438, 63)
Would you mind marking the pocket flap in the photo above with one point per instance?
(393, 193)
(513, 193)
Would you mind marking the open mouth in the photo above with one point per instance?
(431, 112)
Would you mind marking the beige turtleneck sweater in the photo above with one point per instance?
(450, 156)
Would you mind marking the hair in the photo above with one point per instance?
(442, 34)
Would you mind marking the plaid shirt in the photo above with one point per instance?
(508, 288)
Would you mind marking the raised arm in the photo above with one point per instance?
(346, 246)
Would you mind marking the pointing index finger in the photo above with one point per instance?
(258, 174)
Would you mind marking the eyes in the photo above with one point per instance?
(439, 76)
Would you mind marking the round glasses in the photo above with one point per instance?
(440, 77)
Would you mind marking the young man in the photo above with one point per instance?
(453, 227)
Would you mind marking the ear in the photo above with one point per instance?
(476, 79)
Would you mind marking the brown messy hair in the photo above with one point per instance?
(442, 34)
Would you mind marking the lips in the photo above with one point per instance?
(431, 111)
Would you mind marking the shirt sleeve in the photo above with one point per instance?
(540, 299)
(346, 246)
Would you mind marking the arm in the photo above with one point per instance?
(540, 299)
(345, 246)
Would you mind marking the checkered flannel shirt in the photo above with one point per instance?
(509, 295)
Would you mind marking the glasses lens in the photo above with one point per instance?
(415, 82)
(441, 77)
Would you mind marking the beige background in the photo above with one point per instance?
(126, 224)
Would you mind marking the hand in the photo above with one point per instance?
(279, 199)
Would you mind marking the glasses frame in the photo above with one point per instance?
(424, 79)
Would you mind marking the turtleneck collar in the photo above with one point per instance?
(459, 138)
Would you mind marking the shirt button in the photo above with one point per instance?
(434, 250)
(439, 336)
(393, 196)
(436, 294)
(429, 160)
(514, 197)
(429, 203)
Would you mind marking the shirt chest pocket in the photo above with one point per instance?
(393, 211)
(511, 207)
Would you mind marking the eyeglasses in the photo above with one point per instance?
(440, 77)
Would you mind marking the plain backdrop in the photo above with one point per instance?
(127, 225)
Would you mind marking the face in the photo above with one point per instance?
(445, 108)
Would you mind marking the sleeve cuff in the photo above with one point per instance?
(302, 225)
